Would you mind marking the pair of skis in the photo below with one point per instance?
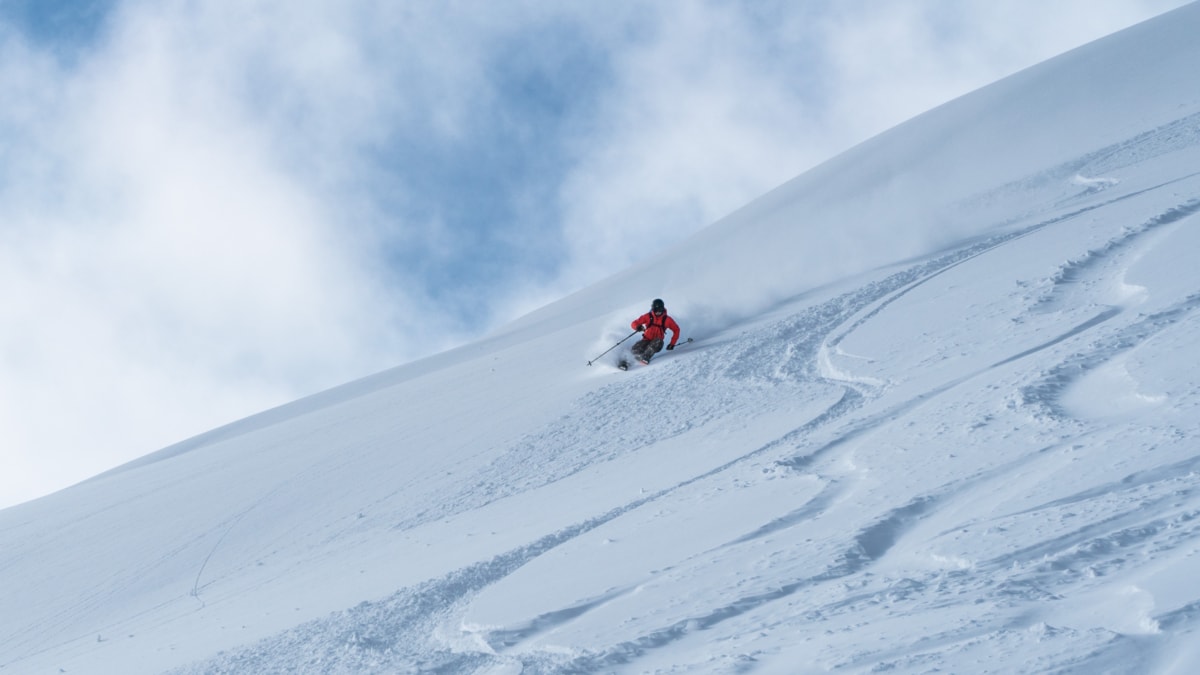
(623, 364)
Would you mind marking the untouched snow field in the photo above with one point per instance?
(940, 416)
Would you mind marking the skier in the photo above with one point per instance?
(653, 326)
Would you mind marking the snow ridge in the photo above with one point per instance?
(946, 425)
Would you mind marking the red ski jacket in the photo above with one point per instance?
(657, 326)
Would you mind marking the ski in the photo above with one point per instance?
(623, 364)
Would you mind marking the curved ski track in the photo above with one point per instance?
(400, 633)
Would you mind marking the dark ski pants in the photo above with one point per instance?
(644, 349)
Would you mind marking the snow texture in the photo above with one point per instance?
(940, 416)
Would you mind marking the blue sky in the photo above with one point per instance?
(207, 209)
(65, 26)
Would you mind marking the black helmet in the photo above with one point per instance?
(658, 307)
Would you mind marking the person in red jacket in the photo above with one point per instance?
(654, 326)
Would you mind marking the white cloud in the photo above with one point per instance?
(893, 61)
(201, 214)
(167, 272)
(698, 122)
(719, 102)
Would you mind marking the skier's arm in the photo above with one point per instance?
(674, 330)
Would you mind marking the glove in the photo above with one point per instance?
(670, 347)
(640, 328)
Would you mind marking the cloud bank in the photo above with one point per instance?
(207, 209)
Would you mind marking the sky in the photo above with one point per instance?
(209, 209)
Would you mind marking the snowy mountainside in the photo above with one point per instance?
(940, 415)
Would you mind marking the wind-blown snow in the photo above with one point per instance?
(939, 416)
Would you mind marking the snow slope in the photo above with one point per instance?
(940, 416)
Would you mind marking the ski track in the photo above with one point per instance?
(1047, 390)
(1078, 271)
(398, 633)
(412, 612)
(368, 631)
(1174, 136)
(826, 326)
(1089, 545)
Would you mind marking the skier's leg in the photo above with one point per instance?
(653, 347)
(639, 348)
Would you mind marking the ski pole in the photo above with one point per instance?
(612, 347)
